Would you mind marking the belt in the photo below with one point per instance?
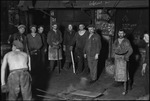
(34, 52)
(121, 53)
(22, 69)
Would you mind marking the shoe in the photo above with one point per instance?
(124, 92)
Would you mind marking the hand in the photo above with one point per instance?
(96, 56)
(84, 55)
(4, 88)
(126, 58)
(143, 69)
(45, 50)
(71, 48)
(64, 48)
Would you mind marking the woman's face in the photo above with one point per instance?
(40, 29)
(33, 29)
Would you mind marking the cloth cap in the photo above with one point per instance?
(18, 44)
(21, 26)
(91, 26)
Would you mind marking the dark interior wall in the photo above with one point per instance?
(4, 20)
(74, 16)
(139, 16)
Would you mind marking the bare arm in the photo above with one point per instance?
(29, 63)
(3, 69)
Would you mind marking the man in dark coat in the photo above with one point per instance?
(19, 36)
(79, 41)
(68, 37)
(92, 51)
(44, 46)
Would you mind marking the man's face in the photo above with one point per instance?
(81, 27)
(146, 38)
(54, 26)
(70, 27)
(91, 29)
(40, 29)
(21, 30)
(33, 29)
(121, 34)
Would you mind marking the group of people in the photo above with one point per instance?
(29, 52)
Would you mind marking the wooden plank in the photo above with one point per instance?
(86, 93)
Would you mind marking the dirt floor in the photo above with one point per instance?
(56, 86)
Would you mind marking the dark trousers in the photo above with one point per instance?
(92, 64)
(53, 62)
(35, 64)
(19, 81)
(67, 58)
(43, 58)
(79, 61)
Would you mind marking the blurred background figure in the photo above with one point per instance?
(145, 67)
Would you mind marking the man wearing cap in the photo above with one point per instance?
(91, 51)
(19, 36)
(19, 79)
(79, 41)
(121, 51)
(34, 42)
(54, 40)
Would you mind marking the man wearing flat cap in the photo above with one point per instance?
(19, 36)
(91, 52)
(19, 79)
